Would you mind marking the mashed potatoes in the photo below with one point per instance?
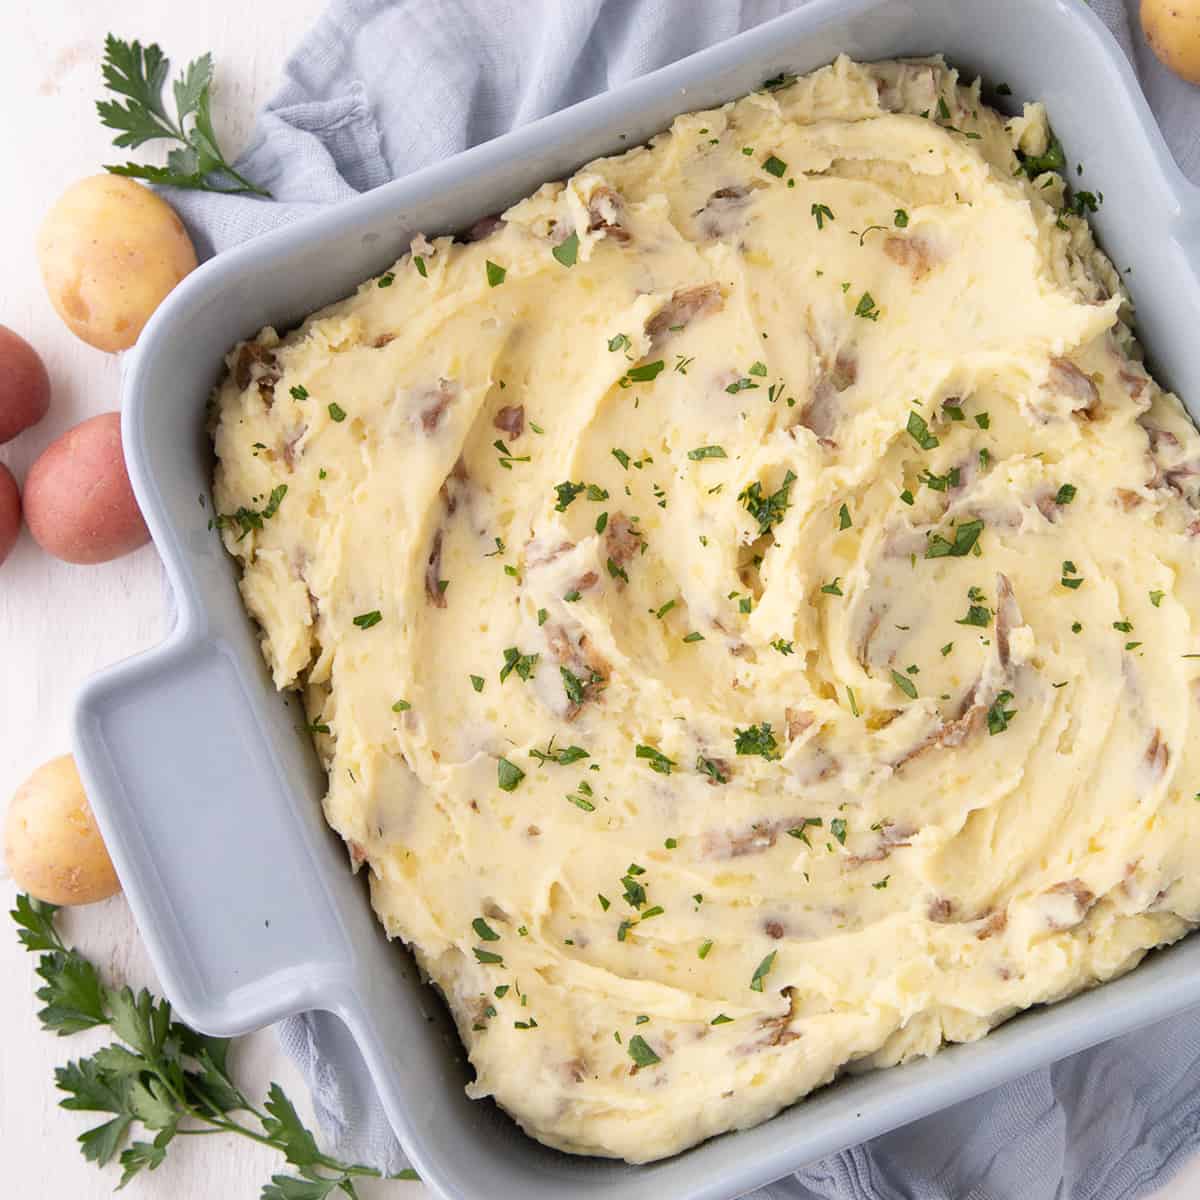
(745, 600)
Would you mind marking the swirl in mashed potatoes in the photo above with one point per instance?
(744, 597)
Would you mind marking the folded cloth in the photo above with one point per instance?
(381, 88)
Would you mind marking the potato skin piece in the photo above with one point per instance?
(10, 512)
(24, 385)
(110, 250)
(1172, 28)
(51, 843)
(79, 504)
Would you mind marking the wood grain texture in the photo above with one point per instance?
(60, 623)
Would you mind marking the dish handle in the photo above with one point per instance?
(192, 805)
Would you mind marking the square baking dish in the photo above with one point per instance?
(204, 780)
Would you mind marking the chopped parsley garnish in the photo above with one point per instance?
(337, 412)
(641, 1053)
(705, 947)
(477, 682)
(756, 739)
(919, 431)
(247, 519)
(617, 571)
(694, 636)
(833, 589)
(703, 452)
(907, 497)
(977, 613)
(670, 843)
(605, 902)
(581, 797)
(542, 616)
(666, 608)
(514, 660)
(1053, 160)
(761, 972)
(484, 930)
(966, 537)
(299, 392)
(619, 342)
(1156, 598)
(800, 832)
(656, 760)
(998, 717)
(645, 373)
(759, 368)
(495, 273)
(983, 420)
(905, 684)
(401, 706)
(867, 308)
(563, 756)
(601, 522)
(744, 384)
(487, 957)
(901, 218)
(1070, 575)
(838, 828)
(682, 362)
(419, 263)
(706, 766)
(720, 1019)
(1076, 627)
(622, 458)
(386, 281)
(953, 411)
(508, 775)
(319, 727)
(776, 83)
(783, 647)
(507, 458)
(767, 510)
(566, 492)
(940, 483)
(882, 883)
(1123, 626)
(572, 685)
(853, 702)
(566, 252)
(1065, 494)
(775, 166)
(367, 619)
(822, 213)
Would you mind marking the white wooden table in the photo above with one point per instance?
(59, 623)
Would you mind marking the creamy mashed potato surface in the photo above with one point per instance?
(745, 598)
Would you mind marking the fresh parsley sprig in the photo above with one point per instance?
(161, 1075)
(138, 73)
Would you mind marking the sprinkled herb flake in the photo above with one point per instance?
(337, 412)
(833, 589)
(572, 685)
(720, 1019)
(486, 957)
(703, 452)
(401, 706)
(853, 702)
(756, 740)
(694, 636)
(367, 619)
(507, 458)
(761, 972)
(905, 684)
(966, 538)
(495, 273)
(299, 392)
(419, 263)
(998, 717)
(867, 307)
(767, 510)
(1065, 494)
(567, 252)
(643, 374)
(900, 218)
(622, 458)
(775, 166)
(705, 948)
(508, 775)
(523, 664)
(983, 420)
(656, 760)
(822, 213)
(706, 766)
(918, 429)
(838, 828)
(484, 931)
(1156, 598)
(784, 648)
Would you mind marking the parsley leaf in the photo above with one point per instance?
(905, 684)
(775, 166)
(757, 739)
(514, 660)
(640, 1052)
(567, 252)
(761, 972)
(508, 775)
(822, 213)
(919, 431)
(997, 716)
(138, 74)
(966, 537)
(495, 273)
(703, 452)
(767, 510)
(656, 760)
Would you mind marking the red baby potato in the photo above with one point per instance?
(24, 385)
(78, 502)
(10, 512)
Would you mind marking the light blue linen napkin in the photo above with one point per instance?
(380, 88)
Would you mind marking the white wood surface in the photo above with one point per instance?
(59, 623)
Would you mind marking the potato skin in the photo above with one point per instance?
(109, 251)
(1172, 28)
(10, 512)
(79, 504)
(51, 844)
(24, 385)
